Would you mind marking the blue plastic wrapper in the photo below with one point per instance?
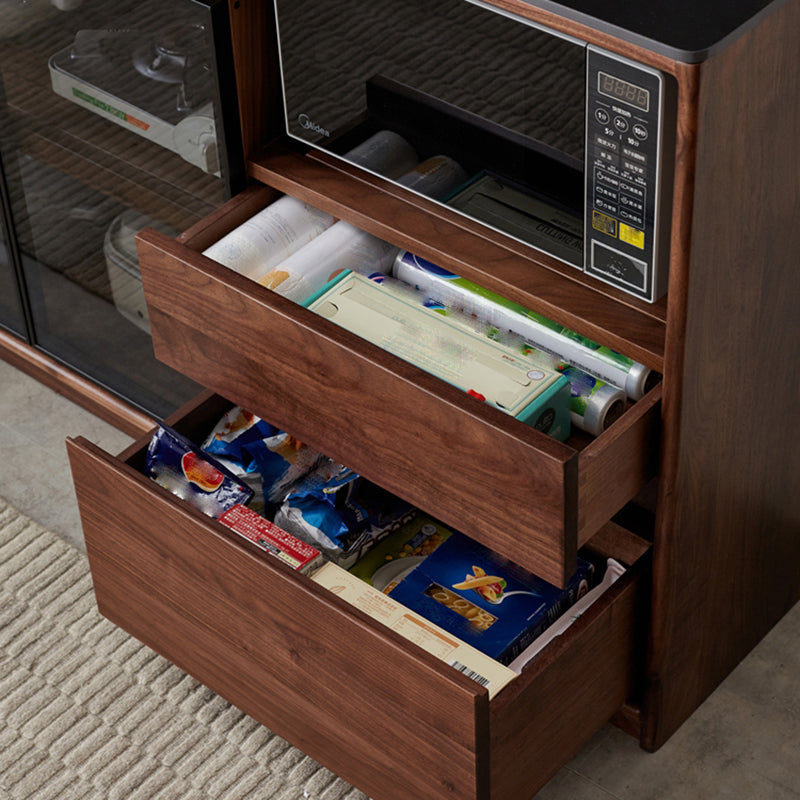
(268, 459)
(339, 512)
(175, 463)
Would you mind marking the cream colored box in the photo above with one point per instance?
(480, 667)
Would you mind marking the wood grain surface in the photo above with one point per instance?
(349, 692)
(727, 544)
(337, 684)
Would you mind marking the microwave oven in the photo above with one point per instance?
(565, 146)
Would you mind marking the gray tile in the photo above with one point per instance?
(741, 743)
(569, 785)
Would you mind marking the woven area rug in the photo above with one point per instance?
(88, 712)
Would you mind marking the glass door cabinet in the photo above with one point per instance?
(113, 116)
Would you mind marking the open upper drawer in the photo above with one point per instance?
(367, 703)
(525, 495)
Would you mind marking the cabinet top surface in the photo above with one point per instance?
(687, 30)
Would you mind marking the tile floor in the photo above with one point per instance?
(742, 744)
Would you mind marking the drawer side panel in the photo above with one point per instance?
(348, 692)
(567, 694)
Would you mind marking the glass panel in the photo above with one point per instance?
(10, 307)
(110, 123)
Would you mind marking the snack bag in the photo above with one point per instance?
(266, 458)
(173, 462)
(339, 512)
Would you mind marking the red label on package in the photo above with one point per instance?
(298, 554)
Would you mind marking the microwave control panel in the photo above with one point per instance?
(624, 110)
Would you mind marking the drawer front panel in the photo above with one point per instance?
(348, 692)
(398, 426)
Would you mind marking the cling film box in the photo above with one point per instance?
(394, 317)
(486, 600)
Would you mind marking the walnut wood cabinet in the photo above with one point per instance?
(692, 487)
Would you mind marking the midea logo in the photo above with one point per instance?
(306, 123)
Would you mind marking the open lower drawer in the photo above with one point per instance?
(368, 704)
(461, 460)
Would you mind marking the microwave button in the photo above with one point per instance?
(634, 155)
(631, 189)
(604, 157)
(602, 176)
(640, 131)
(604, 205)
(636, 219)
(605, 142)
(602, 116)
(604, 191)
(631, 203)
(621, 124)
(634, 169)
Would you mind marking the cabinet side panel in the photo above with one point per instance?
(726, 570)
(345, 690)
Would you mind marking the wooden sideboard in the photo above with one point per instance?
(692, 487)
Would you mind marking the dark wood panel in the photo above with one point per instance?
(727, 544)
(569, 691)
(256, 66)
(349, 692)
(227, 217)
(617, 464)
(468, 249)
(400, 427)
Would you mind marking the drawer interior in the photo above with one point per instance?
(351, 693)
(365, 407)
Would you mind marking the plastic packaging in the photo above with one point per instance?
(543, 333)
(345, 247)
(386, 153)
(173, 462)
(283, 227)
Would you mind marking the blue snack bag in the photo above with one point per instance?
(175, 463)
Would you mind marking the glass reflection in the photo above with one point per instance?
(108, 123)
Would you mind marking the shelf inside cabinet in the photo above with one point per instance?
(496, 262)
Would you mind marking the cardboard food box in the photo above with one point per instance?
(402, 550)
(297, 554)
(459, 655)
(486, 600)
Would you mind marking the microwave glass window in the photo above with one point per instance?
(623, 91)
(502, 99)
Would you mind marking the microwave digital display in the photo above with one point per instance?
(621, 90)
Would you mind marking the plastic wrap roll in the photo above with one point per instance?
(283, 227)
(436, 177)
(343, 246)
(386, 153)
(594, 405)
(270, 236)
(544, 334)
